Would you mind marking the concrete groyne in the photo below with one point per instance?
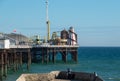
(59, 76)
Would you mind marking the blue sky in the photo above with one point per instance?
(97, 22)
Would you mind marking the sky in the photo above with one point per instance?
(96, 22)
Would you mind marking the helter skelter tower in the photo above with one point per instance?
(47, 22)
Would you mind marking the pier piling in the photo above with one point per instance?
(21, 60)
(1, 66)
(5, 63)
(29, 60)
(13, 59)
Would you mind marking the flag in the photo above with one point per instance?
(14, 30)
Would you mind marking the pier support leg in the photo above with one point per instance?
(29, 60)
(53, 56)
(21, 60)
(1, 66)
(49, 57)
(64, 56)
(5, 64)
(8, 61)
(14, 61)
(47, 52)
(17, 61)
(42, 55)
(74, 55)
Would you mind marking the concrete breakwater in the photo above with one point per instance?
(59, 76)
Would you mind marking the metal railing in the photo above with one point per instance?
(20, 46)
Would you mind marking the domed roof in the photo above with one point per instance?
(18, 37)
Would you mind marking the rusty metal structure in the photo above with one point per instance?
(49, 53)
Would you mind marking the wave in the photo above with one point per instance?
(114, 79)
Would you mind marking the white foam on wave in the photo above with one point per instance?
(114, 78)
(110, 78)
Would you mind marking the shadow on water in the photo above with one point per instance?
(38, 68)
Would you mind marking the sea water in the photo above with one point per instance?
(105, 61)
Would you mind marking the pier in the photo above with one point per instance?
(17, 49)
(14, 57)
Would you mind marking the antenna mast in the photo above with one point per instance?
(47, 22)
(46, 10)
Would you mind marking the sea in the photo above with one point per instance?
(105, 61)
